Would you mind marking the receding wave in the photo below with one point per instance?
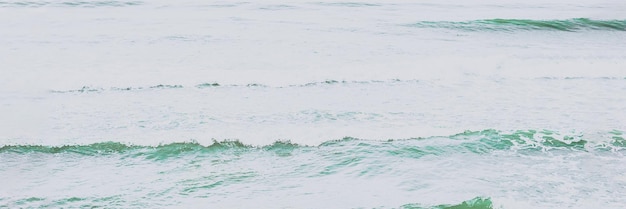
(97, 202)
(86, 4)
(476, 142)
(571, 25)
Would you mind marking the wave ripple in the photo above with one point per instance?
(512, 25)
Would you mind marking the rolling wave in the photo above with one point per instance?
(476, 142)
(512, 25)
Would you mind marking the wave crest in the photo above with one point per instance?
(472, 142)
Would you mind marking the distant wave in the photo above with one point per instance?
(510, 25)
(88, 89)
(87, 4)
(348, 4)
(477, 142)
(91, 89)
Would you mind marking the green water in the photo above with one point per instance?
(417, 172)
(323, 104)
(477, 142)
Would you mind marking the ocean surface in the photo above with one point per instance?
(313, 104)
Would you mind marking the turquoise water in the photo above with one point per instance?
(304, 104)
(391, 173)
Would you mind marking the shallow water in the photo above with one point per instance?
(301, 104)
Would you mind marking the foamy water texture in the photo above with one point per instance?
(305, 104)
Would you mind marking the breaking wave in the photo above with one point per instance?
(476, 142)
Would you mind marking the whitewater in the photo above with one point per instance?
(312, 104)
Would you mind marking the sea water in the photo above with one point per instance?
(312, 104)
